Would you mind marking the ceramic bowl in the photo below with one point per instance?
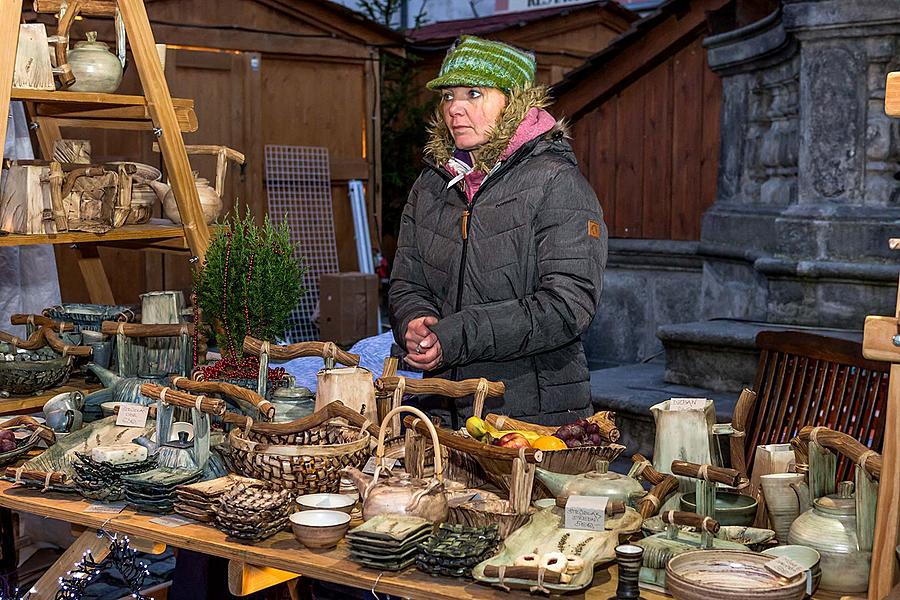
(728, 575)
(753, 537)
(326, 502)
(319, 529)
(109, 408)
(544, 503)
(731, 508)
(806, 556)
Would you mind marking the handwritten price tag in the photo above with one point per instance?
(687, 403)
(132, 415)
(112, 508)
(369, 469)
(586, 512)
(786, 567)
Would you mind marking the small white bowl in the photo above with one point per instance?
(109, 408)
(544, 503)
(326, 502)
(319, 529)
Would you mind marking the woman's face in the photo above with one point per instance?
(471, 114)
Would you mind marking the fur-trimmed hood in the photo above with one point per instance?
(440, 145)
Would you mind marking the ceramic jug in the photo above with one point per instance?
(684, 434)
(95, 68)
(830, 527)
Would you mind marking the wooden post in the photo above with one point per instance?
(46, 586)
(10, 13)
(94, 274)
(245, 579)
(159, 104)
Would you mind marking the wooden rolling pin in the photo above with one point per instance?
(527, 573)
(729, 477)
(140, 330)
(41, 321)
(845, 445)
(37, 476)
(441, 387)
(689, 519)
(471, 446)
(60, 346)
(281, 353)
(265, 408)
(212, 406)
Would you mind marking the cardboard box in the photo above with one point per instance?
(348, 307)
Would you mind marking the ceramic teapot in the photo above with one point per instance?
(831, 528)
(405, 494)
(210, 198)
(117, 388)
(95, 68)
(599, 482)
(841, 525)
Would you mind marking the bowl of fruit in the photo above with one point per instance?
(19, 435)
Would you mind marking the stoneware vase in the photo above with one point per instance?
(683, 435)
(782, 502)
(96, 69)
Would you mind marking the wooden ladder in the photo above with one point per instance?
(155, 111)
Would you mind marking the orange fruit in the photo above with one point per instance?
(549, 442)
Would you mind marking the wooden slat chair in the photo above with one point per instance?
(806, 379)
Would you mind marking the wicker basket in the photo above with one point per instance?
(305, 462)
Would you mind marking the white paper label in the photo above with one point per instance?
(370, 465)
(172, 521)
(687, 403)
(586, 512)
(132, 415)
(786, 567)
(113, 508)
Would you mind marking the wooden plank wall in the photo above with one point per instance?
(651, 150)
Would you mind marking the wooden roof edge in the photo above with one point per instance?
(445, 31)
(624, 59)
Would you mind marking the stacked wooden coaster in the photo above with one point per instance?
(198, 501)
(253, 511)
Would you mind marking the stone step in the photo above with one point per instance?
(631, 390)
(721, 354)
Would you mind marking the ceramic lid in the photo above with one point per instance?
(836, 505)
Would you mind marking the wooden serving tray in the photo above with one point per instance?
(543, 535)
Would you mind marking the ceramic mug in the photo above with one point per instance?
(782, 501)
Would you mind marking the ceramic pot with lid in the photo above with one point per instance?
(599, 482)
(830, 528)
(96, 69)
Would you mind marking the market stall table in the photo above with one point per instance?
(281, 551)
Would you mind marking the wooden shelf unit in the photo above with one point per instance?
(156, 111)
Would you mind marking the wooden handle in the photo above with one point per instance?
(689, 519)
(139, 330)
(845, 445)
(738, 441)
(429, 429)
(265, 408)
(391, 364)
(527, 573)
(44, 432)
(650, 504)
(56, 177)
(206, 149)
(38, 476)
(41, 321)
(613, 507)
(442, 387)
(61, 45)
(281, 353)
(212, 406)
(35, 340)
(470, 446)
(608, 429)
(75, 174)
(729, 477)
(63, 348)
(647, 471)
(333, 410)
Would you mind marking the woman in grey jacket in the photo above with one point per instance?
(502, 244)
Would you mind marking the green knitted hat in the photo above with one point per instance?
(473, 61)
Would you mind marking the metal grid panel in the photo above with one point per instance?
(298, 182)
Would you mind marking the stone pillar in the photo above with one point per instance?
(806, 188)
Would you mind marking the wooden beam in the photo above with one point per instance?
(892, 94)
(94, 275)
(48, 584)
(93, 8)
(245, 579)
(10, 13)
(602, 77)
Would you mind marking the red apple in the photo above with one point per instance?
(513, 440)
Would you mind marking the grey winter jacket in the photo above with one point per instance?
(516, 292)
